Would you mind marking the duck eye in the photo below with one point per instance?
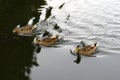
(38, 40)
(78, 46)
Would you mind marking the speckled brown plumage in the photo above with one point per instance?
(24, 30)
(47, 41)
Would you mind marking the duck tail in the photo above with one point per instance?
(58, 36)
(95, 44)
(30, 22)
(18, 26)
(34, 27)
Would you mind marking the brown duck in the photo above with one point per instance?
(86, 50)
(51, 40)
(25, 29)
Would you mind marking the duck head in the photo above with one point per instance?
(77, 48)
(82, 44)
(36, 40)
(16, 29)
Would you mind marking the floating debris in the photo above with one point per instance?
(61, 5)
(67, 18)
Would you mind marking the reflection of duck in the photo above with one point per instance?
(86, 50)
(24, 30)
(78, 60)
(51, 40)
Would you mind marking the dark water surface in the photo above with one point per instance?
(16, 52)
(87, 20)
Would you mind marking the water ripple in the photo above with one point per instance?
(92, 21)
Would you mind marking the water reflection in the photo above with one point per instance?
(16, 52)
(48, 13)
(17, 58)
(37, 49)
(78, 59)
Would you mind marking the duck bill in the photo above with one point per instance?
(76, 50)
(35, 41)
